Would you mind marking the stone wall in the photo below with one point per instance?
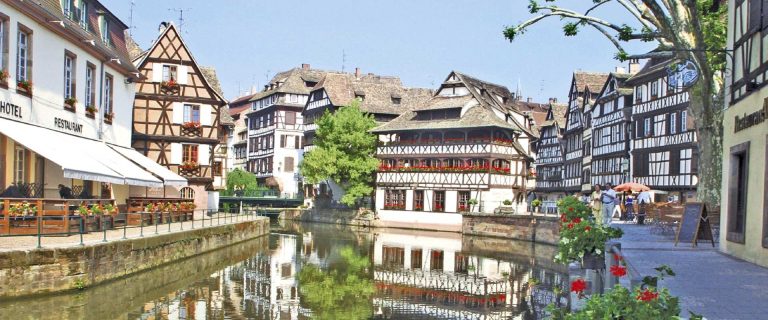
(334, 216)
(60, 269)
(528, 228)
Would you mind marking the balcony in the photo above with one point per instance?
(667, 140)
(449, 179)
(439, 147)
(318, 103)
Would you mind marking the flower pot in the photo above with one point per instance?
(593, 261)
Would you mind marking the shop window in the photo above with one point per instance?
(737, 193)
(436, 260)
(439, 204)
(187, 193)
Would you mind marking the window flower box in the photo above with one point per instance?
(90, 111)
(25, 86)
(169, 87)
(4, 77)
(189, 165)
(108, 116)
(191, 125)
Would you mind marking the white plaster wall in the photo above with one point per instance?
(421, 219)
(451, 201)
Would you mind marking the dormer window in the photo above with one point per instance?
(612, 86)
(395, 100)
(360, 95)
(105, 31)
(68, 6)
(83, 21)
(310, 84)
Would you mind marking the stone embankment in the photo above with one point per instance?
(38, 271)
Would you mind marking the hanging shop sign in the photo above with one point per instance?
(682, 75)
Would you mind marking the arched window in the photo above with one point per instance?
(187, 193)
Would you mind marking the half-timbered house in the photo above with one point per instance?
(276, 128)
(177, 117)
(664, 148)
(549, 158)
(238, 137)
(744, 198)
(610, 145)
(464, 150)
(584, 89)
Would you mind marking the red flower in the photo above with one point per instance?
(570, 225)
(563, 218)
(617, 257)
(570, 208)
(587, 228)
(647, 295)
(576, 220)
(578, 286)
(618, 271)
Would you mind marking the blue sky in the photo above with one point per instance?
(248, 41)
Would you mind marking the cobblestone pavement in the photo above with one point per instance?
(10, 243)
(708, 282)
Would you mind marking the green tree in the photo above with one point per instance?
(343, 291)
(239, 179)
(344, 152)
(692, 30)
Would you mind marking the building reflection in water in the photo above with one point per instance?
(417, 275)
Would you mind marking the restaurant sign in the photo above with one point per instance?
(10, 110)
(752, 119)
(69, 126)
(682, 75)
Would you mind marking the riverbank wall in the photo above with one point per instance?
(40, 271)
(538, 229)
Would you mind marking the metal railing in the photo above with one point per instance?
(32, 230)
(261, 194)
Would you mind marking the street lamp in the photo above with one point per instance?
(625, 169)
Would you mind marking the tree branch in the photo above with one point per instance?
(640, 12)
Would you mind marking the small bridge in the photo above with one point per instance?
(260, 199)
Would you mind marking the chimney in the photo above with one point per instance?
(357, 73)
(621, 70)
(634, 66)
(529, 99)
(305, 66)
(161, 28)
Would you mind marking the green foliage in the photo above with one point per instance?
(579, 234)
(714, 27)
(472, 202)
(239, 179)
(570, 29)
(340, 292)
(79, 284)
(344, 152)
(626, 33)
(536, 203)
(507, 202)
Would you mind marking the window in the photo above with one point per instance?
(460, 263)
(394, 200)
(463, 203)
(416, 258)
(68, 7)
(660, 125)
(283, 141)
(105, 31)
(191, 113)
(69, 76)
(288, 164)
(686, 161)
(439, 204)
(22, 56)
(84, 15)
(217, 169)
(20, 165)
(90, 85)
(655, 89)
(673, 123)
(169, 73)
(418, 200)
(189, 153)
(684, 121)
(396, 100)
(393, 257)
(290, 117)
(638, 93)
(108, 83)
(737, 193)
(296, 142)
(187, 193)
(436, 260)
(3, 42)
(658, 163)
(647, 129)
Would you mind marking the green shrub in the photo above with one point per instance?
(507, 202)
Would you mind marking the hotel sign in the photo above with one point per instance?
(10, 110)
(752, 119)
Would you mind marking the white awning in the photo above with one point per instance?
(169, 177)
(79, 158)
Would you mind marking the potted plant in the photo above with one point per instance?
(25, 85)
(108, 116)
(472, 203)
(90, 109)
(22, 209)
(4, 76)
(581, 239)
(71, 101)
(189, 165)
(170, 86)
(191, 125)
(536, 204)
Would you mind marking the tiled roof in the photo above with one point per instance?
(592, 80)
(475, 117)
(654, 65)
(210, 75)
(379, 93)
(292, 81)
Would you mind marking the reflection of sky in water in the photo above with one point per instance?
(416, 275)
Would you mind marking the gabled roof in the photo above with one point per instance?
(621, 85)
(142, 59)
(379, 93)
(556, 115)
(292, 81)
(653, 67)
(589, 80)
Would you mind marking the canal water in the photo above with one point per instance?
(322, 271)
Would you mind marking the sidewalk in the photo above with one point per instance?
(11, 243)
(708, 282)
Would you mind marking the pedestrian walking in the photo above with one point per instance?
(629, 202)
(596, 204)
(608, 198)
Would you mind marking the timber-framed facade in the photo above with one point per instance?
(610, 118)
(176, 116)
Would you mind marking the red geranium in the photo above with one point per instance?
(647, 295)
(578, 286)
(570, 208)
(618, 271)
(563, 218)
(577, 220)
(587, 228)
(570, 225)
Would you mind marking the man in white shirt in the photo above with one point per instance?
(643, 199)
(608, 198)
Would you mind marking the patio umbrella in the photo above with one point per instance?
(631, 186)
